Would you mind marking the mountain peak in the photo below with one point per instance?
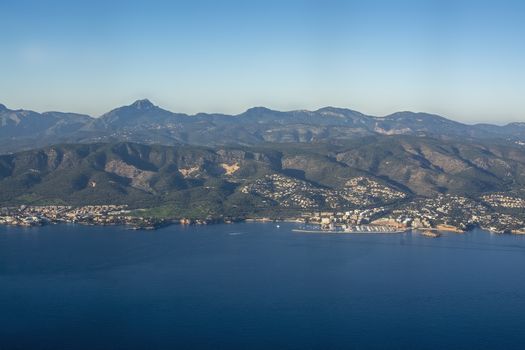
(3, 108)
(142, 104)
(337, 110)
(259, 111)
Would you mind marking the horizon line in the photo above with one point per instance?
(262, 107)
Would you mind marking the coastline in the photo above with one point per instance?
(120, 215)
(426, 232)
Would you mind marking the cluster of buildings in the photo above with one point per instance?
(293, 193)
(89, 215)
(456, 213)
(285, 191)
(352, 217)
(357, 220)
(504, 201)
(443, 213)
(364, 191)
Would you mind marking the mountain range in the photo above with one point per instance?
(143, 122)
(202, 181)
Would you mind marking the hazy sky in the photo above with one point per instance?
(461, 59)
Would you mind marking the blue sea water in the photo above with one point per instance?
(256, 286)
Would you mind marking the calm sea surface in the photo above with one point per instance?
(256, 286)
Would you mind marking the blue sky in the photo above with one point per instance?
(462, 59)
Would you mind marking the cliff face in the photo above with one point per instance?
(146, 175)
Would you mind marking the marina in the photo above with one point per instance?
(377, 229)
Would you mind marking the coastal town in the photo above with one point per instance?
(103, 215)
(360, 205)
(86, 215)
(363, 201)
(289, 192)
(443, 213)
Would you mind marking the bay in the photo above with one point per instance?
(257, 286)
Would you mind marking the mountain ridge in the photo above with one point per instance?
(144, 122)
(146, 103)
(146, 175)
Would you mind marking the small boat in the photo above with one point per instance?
(235, 233)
